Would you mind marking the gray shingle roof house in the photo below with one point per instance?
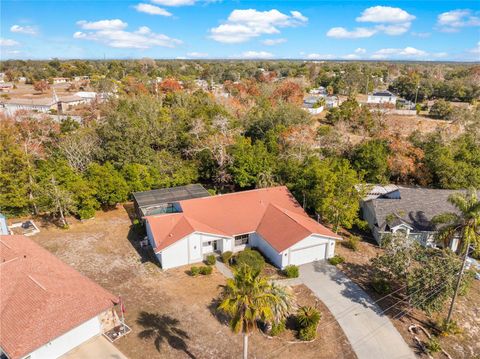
(394, 208)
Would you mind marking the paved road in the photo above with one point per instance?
(356, 313)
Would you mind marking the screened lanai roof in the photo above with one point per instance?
(169, 195)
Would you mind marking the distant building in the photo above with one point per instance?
(331, 101)
(311, 104)
(318, 91)
(81, 78)
(87, 96)
(382, 97)
(13, 105)
(60, 80)
(47, 307)
(6, 86)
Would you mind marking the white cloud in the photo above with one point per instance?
(197, 54)
(115, 24)
(112, 33)
(385, 14)
(360, 50)
(174, 2)
(8, 42)
(271, 42)
(320, 56)
(452, 21)
(390, 21)
(255, 55)
(391, 53)
(476, 50)
(152, 9)
(351, 57)
(243, 25)
(422, 35)
(342, 33)
(28, 30)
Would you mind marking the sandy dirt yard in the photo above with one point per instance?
(170, 310)
(466, 312)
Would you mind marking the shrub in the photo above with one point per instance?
(308, 333)
(211, 259)
(194, 271)
(361, 225)
(251, 258)
(277, 328)
(308, 316)
(433, 345)
(381, 286)
(449, 328)
(336, 260)
(291, 271)
(226, 256)
(206, 270)
(351, 243)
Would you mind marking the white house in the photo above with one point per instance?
(87, 96)
(268, 219)
(312, 105)
(47, 308)
(382, 97)
(60, 80)
(13, 105)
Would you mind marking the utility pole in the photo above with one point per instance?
(459, 280)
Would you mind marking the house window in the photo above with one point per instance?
(207, 244)
(241, 239)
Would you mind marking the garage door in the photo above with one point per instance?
(308, 254)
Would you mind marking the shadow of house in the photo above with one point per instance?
(135, 235)
(164, 329)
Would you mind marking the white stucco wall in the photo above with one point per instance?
(257, 241)
(68, 341)
(311, 243)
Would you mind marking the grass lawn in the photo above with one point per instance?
(466, 312)
(171, 314)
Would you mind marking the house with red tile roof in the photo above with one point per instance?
(268, 219)
(46, 307)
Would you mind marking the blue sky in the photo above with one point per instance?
(401, 30)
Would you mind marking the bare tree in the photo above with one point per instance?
(80, 148)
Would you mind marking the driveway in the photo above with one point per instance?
(370, 333)
(96, 348)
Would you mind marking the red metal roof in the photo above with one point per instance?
(272, 212)
(41, 297)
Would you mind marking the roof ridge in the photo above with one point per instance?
(235, 193)
(288, 214)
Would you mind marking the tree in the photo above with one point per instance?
(464, 225)
(109, 185)
(56, 200)
(441, 109)
(249, 298)
(248, 161)
(371, 159)
(330, 190)
(41, 86)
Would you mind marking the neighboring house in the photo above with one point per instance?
(394, 209)
(163, 200)
(87, 96)
(311, 104)
(47, 308)
(81, 78)
(13, 105)
(67, 102)
(382, 97)
(269, 219)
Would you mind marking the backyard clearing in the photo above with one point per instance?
(465, 345)
(171, 310)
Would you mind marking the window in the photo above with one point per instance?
(207, 244)
(241, 239)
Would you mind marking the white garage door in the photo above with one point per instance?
(308, 254)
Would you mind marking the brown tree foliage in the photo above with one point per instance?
(288, 91)
(41, 86)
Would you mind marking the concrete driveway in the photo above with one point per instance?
(96, 348)
(370, 333)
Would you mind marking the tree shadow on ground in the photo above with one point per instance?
(163, 328)
(218, 314)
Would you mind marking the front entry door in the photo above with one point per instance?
(214, 244)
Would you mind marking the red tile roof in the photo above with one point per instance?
(272, 212)
(41, 297)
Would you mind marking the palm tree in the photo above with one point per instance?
(466, 224)
(249, 298)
